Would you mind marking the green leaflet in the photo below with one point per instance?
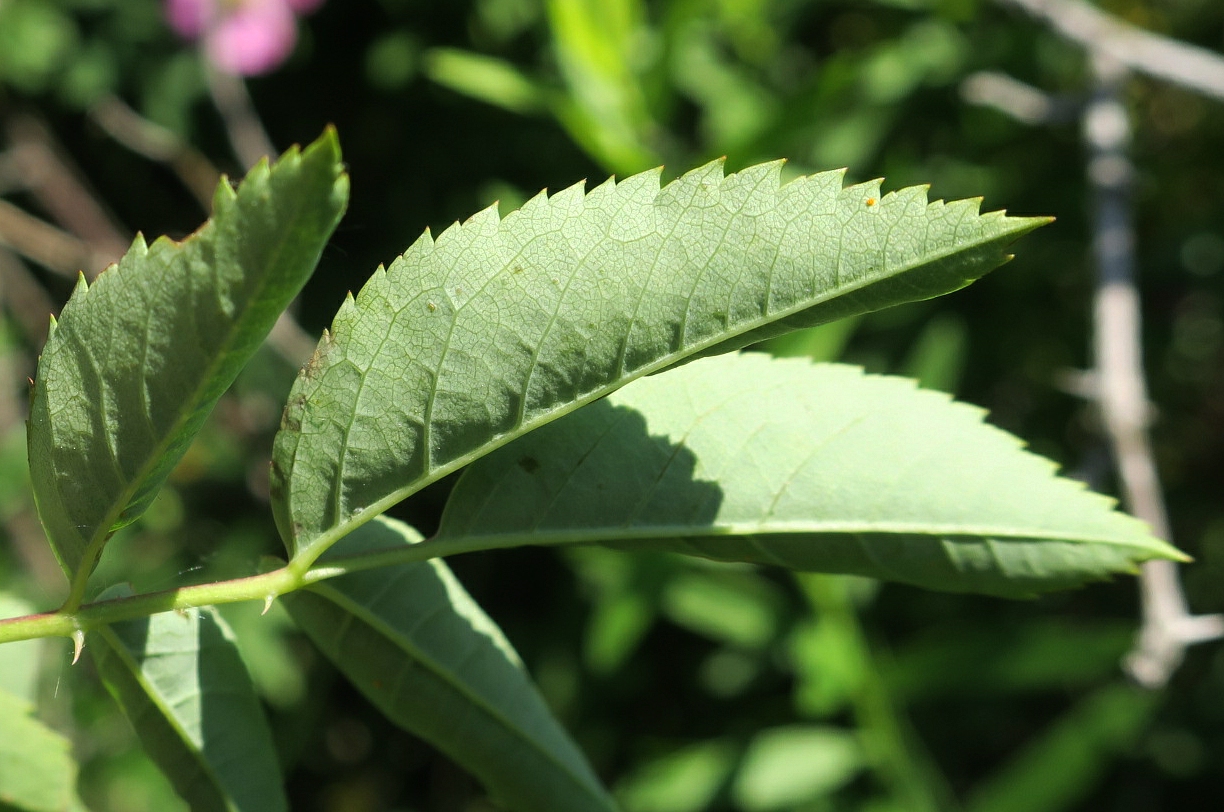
(182, 684)
(138, 359)
(37, 771)
(785, 767)
(412, 640)
(814, 467)
(499, 326)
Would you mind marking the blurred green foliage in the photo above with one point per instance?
(683, 681)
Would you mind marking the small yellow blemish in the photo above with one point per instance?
(871, 201)
(432, 307)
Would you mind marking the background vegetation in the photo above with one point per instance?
(690, 686)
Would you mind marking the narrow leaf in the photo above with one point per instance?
(37, 771)
(138, 359)
(500, 326)
(181, 682)
(1064, 763)
(412, 640)
(811, 467)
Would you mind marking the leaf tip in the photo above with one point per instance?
(328, 142)
(224, 193)
(1164, 550)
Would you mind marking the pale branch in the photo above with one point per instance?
(42, 243)
(53, 180)
(61, 189)
(27, 301)
(1159, 57)
(158, 144)
(1023, 102)
(1121, 392)
(246, 133)
(251, 143)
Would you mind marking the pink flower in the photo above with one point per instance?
(247, 37)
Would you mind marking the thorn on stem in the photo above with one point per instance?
(78, 644)
(268, 604)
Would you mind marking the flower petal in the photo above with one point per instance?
(190, 18)
(254, 39)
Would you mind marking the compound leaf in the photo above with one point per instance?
(181, 682)
(501, 325)
(411, 639)
(812, 467)
(138, 359)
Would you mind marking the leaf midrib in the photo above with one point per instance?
(106, 528)
(315, 547)
(134, 670)
(440, 671)
(971, 533)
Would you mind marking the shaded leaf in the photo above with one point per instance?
(811, 467)
(501, 325)
(138, 359)
(37, 771)
(412, 640)
(1061, 766)
(180, 681)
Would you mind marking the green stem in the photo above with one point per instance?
(263, 587)
(65, 623)
(899, 760)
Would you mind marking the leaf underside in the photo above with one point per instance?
(411, 639)
(181, 682)
(137, 361)
(813, 467)
(501, 325)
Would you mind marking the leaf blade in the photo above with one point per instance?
(500, 326)
(180, 680)
(137, 360)
(811, 467)
(420, 649)
(37, 771)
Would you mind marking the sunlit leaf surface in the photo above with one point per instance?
(139, 358)
(812, 467)
(501, 325)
